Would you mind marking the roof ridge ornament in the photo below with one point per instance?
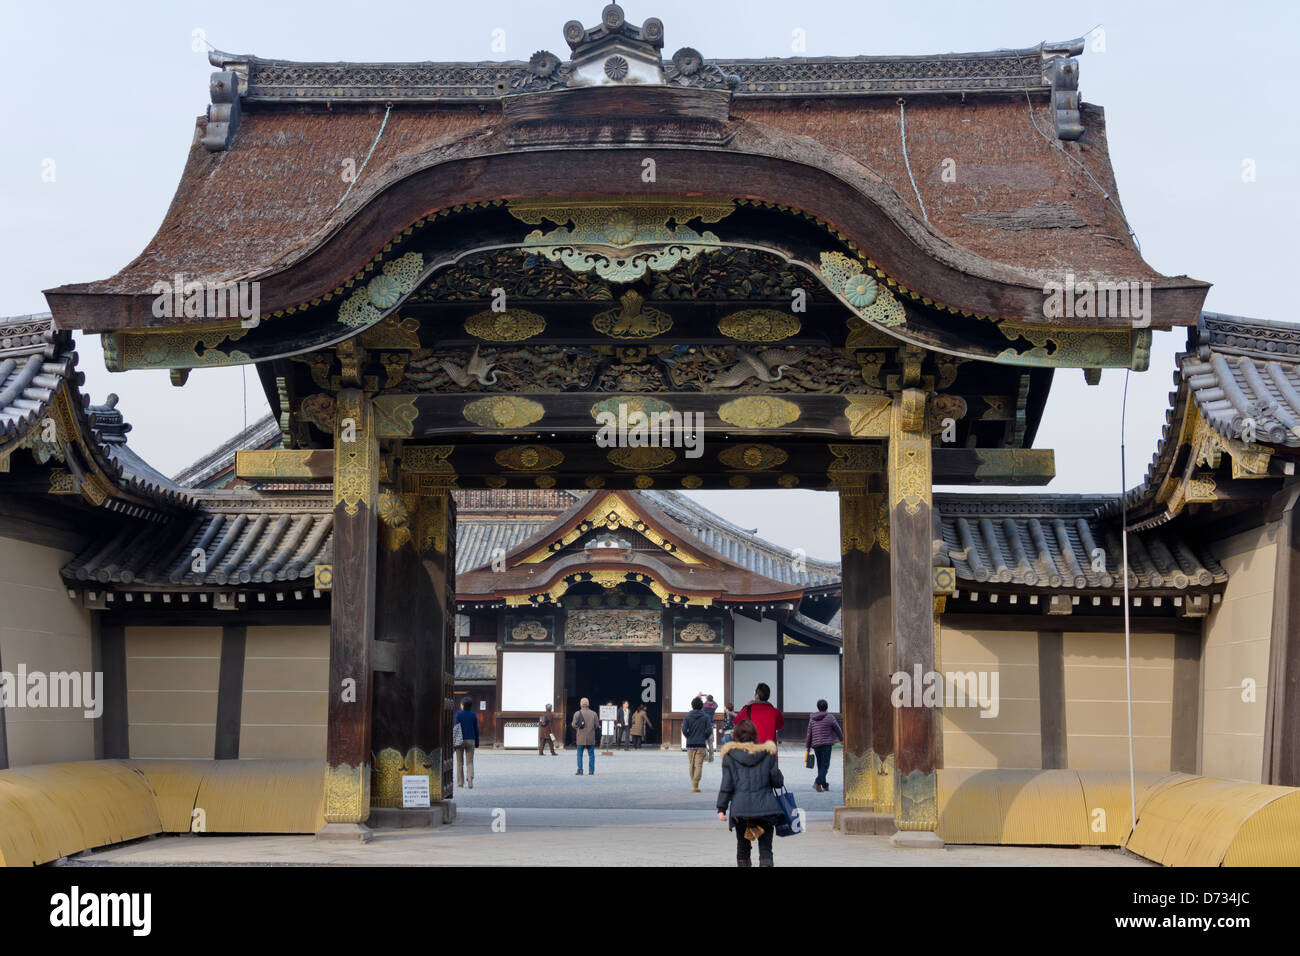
(616, 53)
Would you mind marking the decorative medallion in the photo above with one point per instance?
(758, 411)
(787, 481)
(399, 276)
(738, 481)
(692, 481)
(512, 325)
(395, 520)
(595, 481)
(752, 457)
(529, 458)
(759, 325)
(495, 481)
(506, 411)
(698, 632)
(621, 241)
(634, 320)
(616, 68)
(646, 458)
(870, 300)
(643, 482)
(545, 481)
(632, 405)
(323, 577)
(530, 629)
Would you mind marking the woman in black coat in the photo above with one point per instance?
(749, 774)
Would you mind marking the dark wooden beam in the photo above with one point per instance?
(230, 691)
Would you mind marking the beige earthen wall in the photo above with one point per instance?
(1235, 649)
(171, 680)
(1012, 738)
(1096, 711)
(286, 686)
(48, 632)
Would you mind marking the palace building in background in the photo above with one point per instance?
(863, 273)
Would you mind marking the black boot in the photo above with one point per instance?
(743, 861)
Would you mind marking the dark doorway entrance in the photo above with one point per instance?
(614, 676)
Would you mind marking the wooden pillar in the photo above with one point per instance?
(413, 630)
(865, 625)
(912, 580)
(352, 616)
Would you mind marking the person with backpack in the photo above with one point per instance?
(767, 719)
(464, 738)
(749, 778)
(823, 731)
(697, 728)
(585, 724)
(545, 733)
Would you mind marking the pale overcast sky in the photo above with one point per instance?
(1191, 90)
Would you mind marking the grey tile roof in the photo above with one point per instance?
(264, 433)
(1246, 374)
(476, 668)
(34, 362)
(1048, 541)
(742, 546)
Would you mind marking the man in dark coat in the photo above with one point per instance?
(697, 728)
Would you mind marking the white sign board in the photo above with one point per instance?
(415, 791)
(608, 712)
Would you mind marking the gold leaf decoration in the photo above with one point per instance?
(759, 411)
(529, 458)
(505, 411)
(752, 457)
(634, 404)
(868, 415)
(512, 325)
(633, 320)
(759, 325)
(641, 459)
(643, 481)
(692, 481)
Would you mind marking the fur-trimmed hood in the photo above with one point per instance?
(747, 753)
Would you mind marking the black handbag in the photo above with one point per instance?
(809, 760)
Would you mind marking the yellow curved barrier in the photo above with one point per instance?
(55, 810)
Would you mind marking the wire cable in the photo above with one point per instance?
(388, 108)
(902, 132)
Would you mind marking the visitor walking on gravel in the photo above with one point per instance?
(749, 777)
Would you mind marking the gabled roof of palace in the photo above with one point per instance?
(1029, 197)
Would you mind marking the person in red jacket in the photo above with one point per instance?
(767, 719)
